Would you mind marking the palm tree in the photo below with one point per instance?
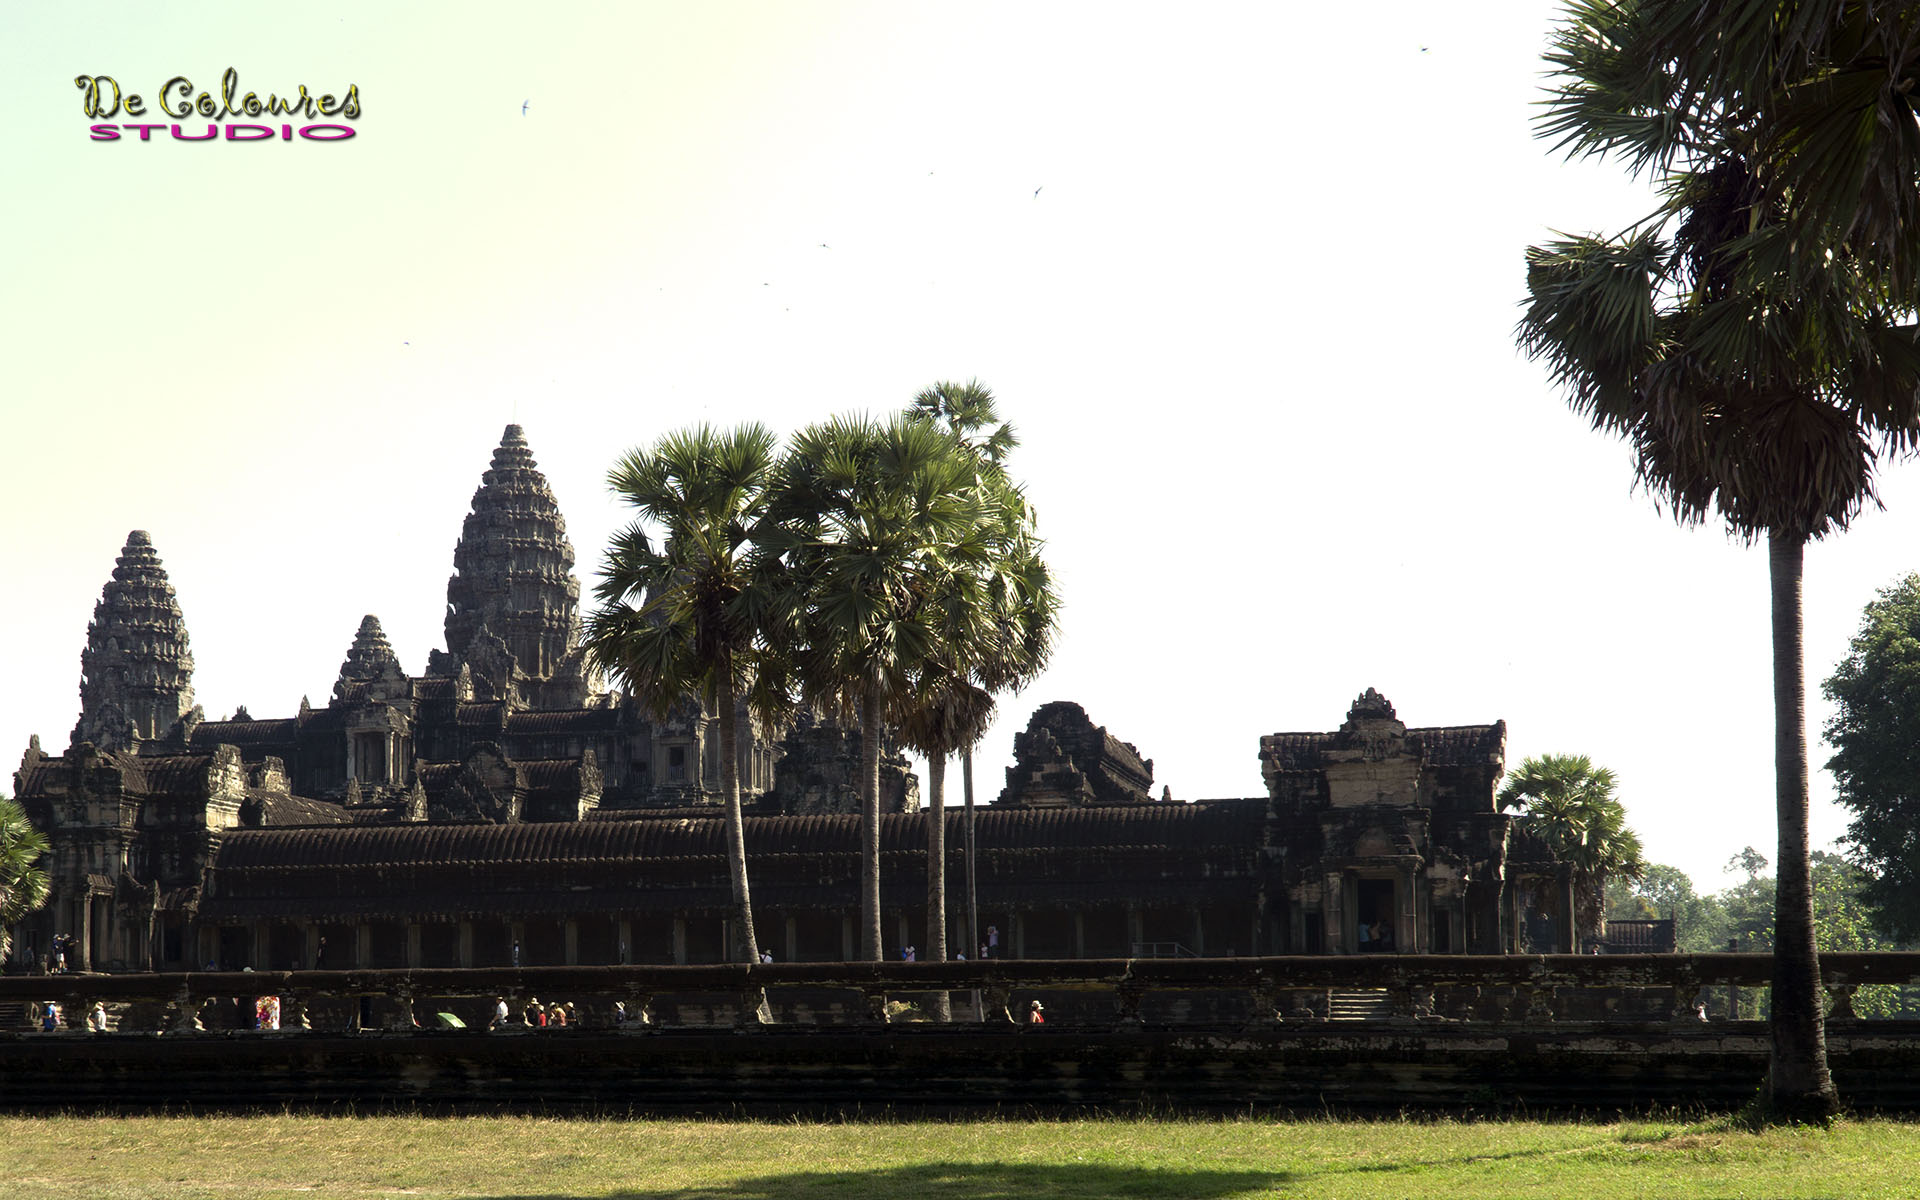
(1570, 804)
(1744, 392)
(956, 701)
(685, 615)
(23, 883)
(1826, 87)
(883, 543)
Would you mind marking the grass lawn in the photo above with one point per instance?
(75, 1158)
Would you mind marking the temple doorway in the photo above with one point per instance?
(1374, 916)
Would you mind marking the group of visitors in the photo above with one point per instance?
(53, 1017)
(1376, 937)
(65, 948)
(537, 1015)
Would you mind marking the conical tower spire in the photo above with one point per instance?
(136, 674)
(370, 658)
(513, 566)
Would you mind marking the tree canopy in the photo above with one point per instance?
(23, 880)
(983, 652)
(888, 548)
(1875, 732)
(1740, 917)
(1570, 804)
(687, 613)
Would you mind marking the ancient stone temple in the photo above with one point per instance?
(1374, 838)
(506, 725)
(503, 798)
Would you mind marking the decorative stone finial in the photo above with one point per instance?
(136, 673)
(1370, 704)
(513, 567)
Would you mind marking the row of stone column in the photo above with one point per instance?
(689, 941)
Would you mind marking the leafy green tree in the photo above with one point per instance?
(884, 544)
(1875, 731)
(1569, 803)
(1750, 904)
(1664, 892)
(1846, 920)
(1843, 922)
(685, 613)
(23, 882)
(1755, 369)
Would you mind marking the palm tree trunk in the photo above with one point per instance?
(936, 948)
(746, 946)
(1798, 1085)
(870, 829)
(973, 902)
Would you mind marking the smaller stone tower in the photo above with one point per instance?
(136, 674)
(371, 660)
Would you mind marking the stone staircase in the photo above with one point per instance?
(1359, 1004)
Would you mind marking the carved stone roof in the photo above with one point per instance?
(513, 566)
(626, 862)
(248, 735)
(172, 775)
(137, 669)
(566, 720)
(38, 772)
(485, 713)
(550, 773)
(284, 810)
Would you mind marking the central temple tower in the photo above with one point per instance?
(513, 603)
(136, 674)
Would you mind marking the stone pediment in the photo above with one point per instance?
(1360, 836)
(1362, 782)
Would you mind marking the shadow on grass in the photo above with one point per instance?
(1028, 1181)
(971, 1181)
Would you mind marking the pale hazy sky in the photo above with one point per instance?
(1244, 276)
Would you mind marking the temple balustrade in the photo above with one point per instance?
(1091, 995)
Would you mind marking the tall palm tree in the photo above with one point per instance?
(685, 614)
(958, 700)
(23, 882)
(883, 543)
(1570, 803)
(1746, 392)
